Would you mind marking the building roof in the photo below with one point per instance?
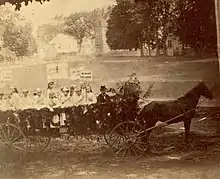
(64, 43)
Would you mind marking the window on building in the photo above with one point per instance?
(169, 43)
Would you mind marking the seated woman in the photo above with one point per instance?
(38, 99)
(14, 101)
(53, 102)
(65, 98)
(72, 89)
(50, 88)
(77, 99)
(83, 89)
(91, 98)
(26, 101)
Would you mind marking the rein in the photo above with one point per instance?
(163, 124)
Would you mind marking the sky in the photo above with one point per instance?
(40, 14)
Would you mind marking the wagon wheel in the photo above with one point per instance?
(13, 144)
(127, 139)
(107, 132)
(38, 143)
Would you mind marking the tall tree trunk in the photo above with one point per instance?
(164, 45)
(141, 46)
(157, 45)
(149, 51)
(79, 48)
(79, 43)
(182, 51)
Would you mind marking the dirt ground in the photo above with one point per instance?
(170, 157)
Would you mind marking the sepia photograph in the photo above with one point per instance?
(109, 89)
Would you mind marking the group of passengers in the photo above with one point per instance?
(65, 97)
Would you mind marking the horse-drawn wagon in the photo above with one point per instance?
(125, 127)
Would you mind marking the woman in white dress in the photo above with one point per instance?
(77, 98)
(51, 89)
(38, 99)
(26, 101)
(91, 98)
(72, 90)
(14, 99)
(83, 88)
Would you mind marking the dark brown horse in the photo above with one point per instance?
(166, 110)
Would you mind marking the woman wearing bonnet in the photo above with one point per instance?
(91, 98)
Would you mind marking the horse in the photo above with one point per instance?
(164, 111)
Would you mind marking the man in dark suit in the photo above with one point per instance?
(103, 97)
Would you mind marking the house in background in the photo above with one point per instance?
(63, 46)
(174, 47)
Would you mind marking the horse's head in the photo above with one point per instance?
(204, 90)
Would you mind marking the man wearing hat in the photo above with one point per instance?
(103, 97)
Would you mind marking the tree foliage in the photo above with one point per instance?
(18, 39)
(47, 32)
(120, 29)
(17, 33)
(79, 26)
(82, 25)
(132, 25)
(18, 3)
(151, 22)
(196, 24)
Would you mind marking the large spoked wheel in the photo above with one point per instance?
(127, 139)
(13, 144)
(38, 143)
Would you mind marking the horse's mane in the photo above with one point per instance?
(190, 93)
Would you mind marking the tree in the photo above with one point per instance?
(193, 21)
(16, 32)
(19, 39)
(196, 25)
(18, 3)
(47, 32)
(120, 29)
(140, 24)
(79, 25)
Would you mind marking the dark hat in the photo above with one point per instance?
(103, 88)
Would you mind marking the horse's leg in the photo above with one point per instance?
(187, 124)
